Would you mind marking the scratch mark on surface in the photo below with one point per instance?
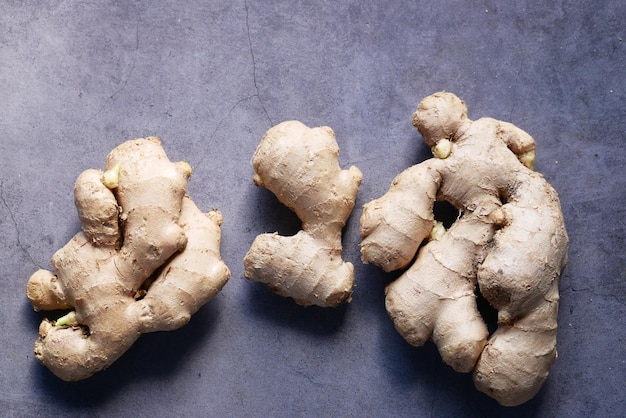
(14, 221)
(221, 122)
(254, 78)
(256, 94)
(230, 111)
(124, 82)
(594, 292)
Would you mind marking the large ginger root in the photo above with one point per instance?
(510, 240)
(146, 260)
(300, 166)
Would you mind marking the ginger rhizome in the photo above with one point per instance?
(300, 165)
(510, 241)
(146, 260)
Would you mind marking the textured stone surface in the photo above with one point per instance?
(209, 78)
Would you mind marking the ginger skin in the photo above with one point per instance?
(300, 165)
(510, 241)
(151, 277)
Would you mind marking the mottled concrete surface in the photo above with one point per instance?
(209, 78)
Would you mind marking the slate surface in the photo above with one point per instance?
(209, 78)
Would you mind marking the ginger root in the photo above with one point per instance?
(510, 241)
(300, 165)
(146, 260)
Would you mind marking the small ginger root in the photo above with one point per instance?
(510, 241)
(300, 165)
(146, 260)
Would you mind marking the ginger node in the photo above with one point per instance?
(111, 177)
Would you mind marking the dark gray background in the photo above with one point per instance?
(209, 78)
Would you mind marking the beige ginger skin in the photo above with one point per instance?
(146, 260)
(300, 165)
(510, 241)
